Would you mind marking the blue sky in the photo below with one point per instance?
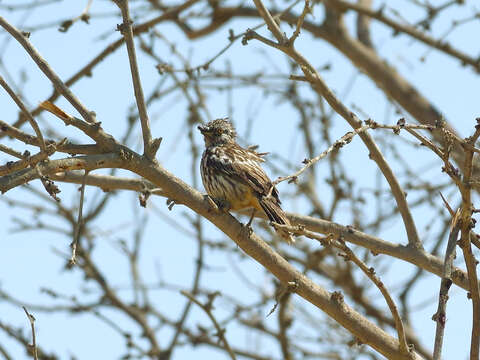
(30, 261)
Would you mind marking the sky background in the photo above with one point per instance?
(30, 261)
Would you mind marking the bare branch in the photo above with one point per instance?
(31, 319)
(208, 310)
(321, 87)
(79, 223)
(344, 140)
(440, 316)
(370, 272)
(48, 71)
(409, 30)
(301, 18)
(270, 21)
(150, 146)
(25, 111)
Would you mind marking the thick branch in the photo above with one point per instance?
(364, 9)
(414, 256)
(332, 304)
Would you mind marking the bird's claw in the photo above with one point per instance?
(247, 228)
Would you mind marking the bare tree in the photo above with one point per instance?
(165, 281)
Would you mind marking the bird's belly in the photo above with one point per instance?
(238, 195)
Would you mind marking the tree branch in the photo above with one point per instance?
(150, 146)
(48, 71)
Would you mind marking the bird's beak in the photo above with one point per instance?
(203, 129)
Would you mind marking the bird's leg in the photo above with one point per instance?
(249, 224)
(212, 203)
(223, 205)
(218, 205)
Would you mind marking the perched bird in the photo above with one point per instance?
(234, 178)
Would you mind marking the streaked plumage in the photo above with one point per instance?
(233, 175)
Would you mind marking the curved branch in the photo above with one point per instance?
(420, 258)
(330, 303)
(442, 46)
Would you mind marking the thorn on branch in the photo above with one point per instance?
(211, 298)
(249, 35)
(124, 26)
(64, 26)
(337, 297)
(350, 229)
(143, 197)
(293, 180)
(164, 68)
(50, 187)
(170, 204)
(345, 257)
(400, 125)
(231, 35)
(154, 146)
(291, 287)
(85, 18)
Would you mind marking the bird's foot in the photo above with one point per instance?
(247, 229)
(248, 226)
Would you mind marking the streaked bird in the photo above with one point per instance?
(233, 177)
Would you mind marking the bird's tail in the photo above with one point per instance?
(275, 214)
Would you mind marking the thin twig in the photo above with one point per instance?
(25, 111)
(48, 71)
(150, 146)
(344, 140)
(319, 85)
(270, 21)
(370, 272)
(62, 146)
(232, 39)
(31, 319)
(447, 205)
(412, 31)
(13, 166)
(306, 10)
(220, 332)
(79, 223)
(11, 152)
(440, 316)
(465, 242)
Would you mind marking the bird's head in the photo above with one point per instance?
(218, 132)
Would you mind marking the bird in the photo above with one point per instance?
(233, 177)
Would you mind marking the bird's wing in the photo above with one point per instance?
(246, 165)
